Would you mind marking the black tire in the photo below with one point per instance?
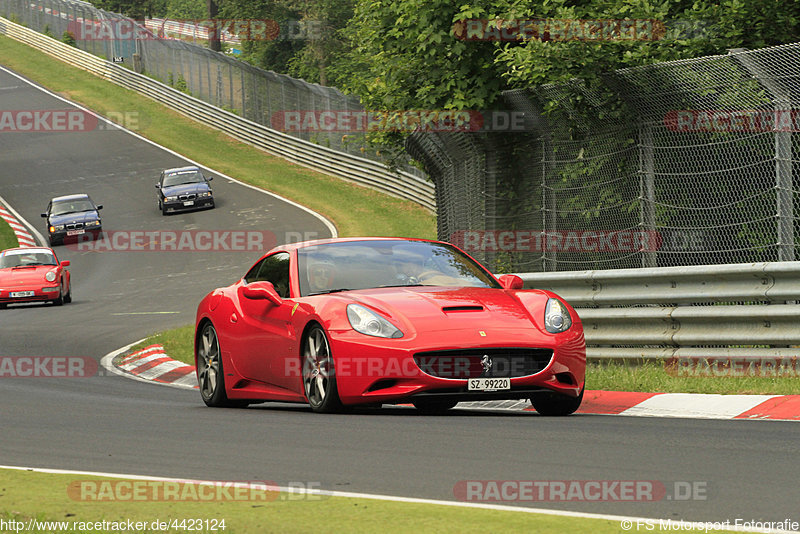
(433, 406)
(60, 299)
(3, 306)
(68, 296)
(555, 404)
(319, 376)
(210, 375)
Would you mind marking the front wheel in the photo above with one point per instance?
(319, 378)
(556, 404)
(210, 375)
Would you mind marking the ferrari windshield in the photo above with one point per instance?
(62, 207)
(333, 267)
(183, 177)
(26, 257)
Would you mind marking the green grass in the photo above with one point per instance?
(7, 237)
(42, 496)
(650, 376)
(355, 210)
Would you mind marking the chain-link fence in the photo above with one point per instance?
(261, 96)
(681, 163)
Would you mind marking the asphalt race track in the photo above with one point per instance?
(741, 469)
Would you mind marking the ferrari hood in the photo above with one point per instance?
(439, 308)
(24, 276)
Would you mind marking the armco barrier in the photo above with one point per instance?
(359, 170)
(736, 311)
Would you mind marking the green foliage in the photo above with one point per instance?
(69, 38)
(135, 9)
(186, 9)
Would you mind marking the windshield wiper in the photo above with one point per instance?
(329, 291)
(403, 285)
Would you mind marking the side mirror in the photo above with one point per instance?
(511, 281)
(65, 263)
(262, 291)
(209, 178)
(158, 186)
(44, 215)
(100, 206)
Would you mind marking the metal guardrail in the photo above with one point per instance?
(742, 310)
(352, 168)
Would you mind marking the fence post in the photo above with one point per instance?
(783, 153)
(647, 189)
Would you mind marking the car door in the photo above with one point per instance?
(266, 335)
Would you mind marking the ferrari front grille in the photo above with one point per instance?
(460, 364)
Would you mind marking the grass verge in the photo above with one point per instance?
(57, 497)
(354, 209)
(8, 239)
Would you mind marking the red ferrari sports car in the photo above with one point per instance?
(356, 321)
(33, 275)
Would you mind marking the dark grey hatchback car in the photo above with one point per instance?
(183, 189)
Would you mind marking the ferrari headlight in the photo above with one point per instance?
(556, 317)
(370, 323)
(50, 276)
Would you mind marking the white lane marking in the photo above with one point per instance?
(686, 525)
(147, 313)
(328, 224)
(702, 406)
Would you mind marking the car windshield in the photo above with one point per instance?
(26, 258)
(186, 177)
(333, 267)
(71, 206)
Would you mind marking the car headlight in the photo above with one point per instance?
(50, 276)
(170, 199)
(93, 223)
(206, 194)
(556, 317)
(56, 228)
(370, 323)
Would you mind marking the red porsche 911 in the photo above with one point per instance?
(370, 321)
(33, 275)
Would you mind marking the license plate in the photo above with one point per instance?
(189, 203)
(19, 294)
(76, 232)
(488, 384)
